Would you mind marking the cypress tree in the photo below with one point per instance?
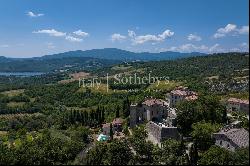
(111, 131)
(117, 113)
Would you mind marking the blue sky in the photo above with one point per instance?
(31, 28)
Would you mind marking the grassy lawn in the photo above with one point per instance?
(164, 85)
(102, 88)
(121, 67)
(213, 77)
(11, 116)
(240, 95)
(12, 93)
(81, 109)
(15, 104)
(3, 133)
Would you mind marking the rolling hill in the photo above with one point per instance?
(88, 59)
(123, 55)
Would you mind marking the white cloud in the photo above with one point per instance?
(227, 29)
(215, 48)
(31, 14)
(81, 33)
(145, 38)
(231, 29)
(4, 46)
(192, 48)
(149, 38)
(117, 37)
(218, 35)
(244, 47)
(196, 48)
(131, 34)
(68, 36)
(73, 39)
(235, 50)
(244, 30)
(167, 33)
(51, 32)
(193, 37)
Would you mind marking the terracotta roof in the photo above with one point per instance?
(150, 102)
(189, 95)
(235, 100)
(192, 97)
(117, 121)
(181, 87)
(179, 92)
(239, 136)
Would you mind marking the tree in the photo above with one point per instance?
(126, 107)
(45, 149)
(143, 148)
(173, 153)
(6, 155)
(207, 108)
(96, 155)
(194, 154)
(202, 134)
(187, 115)
(224, 116)
(117, 112)
(215, 156)
(111, 133)
(241, 156)
(118, 153)
(140, 133)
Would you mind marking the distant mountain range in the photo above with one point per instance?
(122, 55)
(115, 54)
(82, 59)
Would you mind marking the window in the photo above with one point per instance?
(220, 142)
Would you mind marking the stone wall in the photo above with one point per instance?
(154, 130)
(139, 114)
(224, 142)
(162, 133)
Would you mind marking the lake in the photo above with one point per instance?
(21, 74)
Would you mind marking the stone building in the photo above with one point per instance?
(161, 131)
(150, 109)
(106, 129)
(116, 126)
(160, 118)
(180, 94)
(238, 105)
(232, 138)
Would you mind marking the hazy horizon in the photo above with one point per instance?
(118, 49)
